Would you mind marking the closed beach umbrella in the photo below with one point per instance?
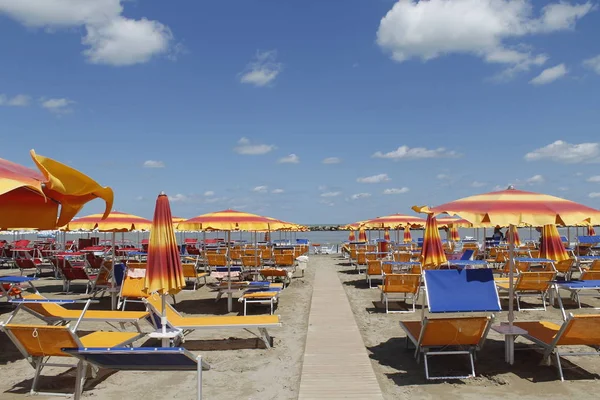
(454, 235)
(591, 231)
(267, 236)
(362, 235)
(352, 236)
(164, 274)
(432, 254)
(407, 235)
(386, 234)
(48, 198)
(515, 233)
(552, 246)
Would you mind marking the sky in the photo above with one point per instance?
(313, 112)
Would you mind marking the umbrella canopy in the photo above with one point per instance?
(48, 198)
(352, 237)
(362, 235)
(516, 207)
(446, 222)
(407, 235)
(164, 273)
(352, 227)
(115, 222)
(515, 233)
(591, 231)
(432, 254)
(453, 233)
(393, 221)
(552, 247)
(228, 220)
(177, 220)
(386, 235)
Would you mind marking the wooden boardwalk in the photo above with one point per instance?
(336, 364)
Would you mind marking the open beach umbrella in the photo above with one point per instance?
(407, 234)
(432, 253)
(515, 232)
(591, 231)
(453, 233)
(552, 246)
(445, 222)
(352, 237)
(177, 220)
(164, 274)
(393, 221)
(362, 235)
(48, 198)
(386, 235)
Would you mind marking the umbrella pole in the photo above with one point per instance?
(510, 339)
(113, 283)
(229, 294)
(163, 321)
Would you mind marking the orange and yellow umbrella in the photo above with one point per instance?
(591, 231)
(228, 220)
(386, 235)
(48, 198)
(267, 236)
(551, 246)
(115, 222)
(352, 237)
(393, 221)
(446, 222)
(432, 254)
(515, 233)
(362, 235)
(407, 234)
(177, 220)
(454, 235)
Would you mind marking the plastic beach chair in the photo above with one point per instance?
(191, 274)
(140, 359)
(577, 330)
(531, 284)
(269, 295)
(190, 324)
(373, 271)
(400, 285)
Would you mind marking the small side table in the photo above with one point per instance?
(166, 336)
(510, 333)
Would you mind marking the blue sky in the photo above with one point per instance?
(237, 104)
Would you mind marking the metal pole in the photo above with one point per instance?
(229, 293)
(113, 283)
(510, 339)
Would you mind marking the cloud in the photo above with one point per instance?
(488, 29)
(374, 179)
(594, 195)
(535, 180)
(261, 189)
(247, 148)
(332, 160)
(396, 190)
(209, 193)
(561, 151)
(360, 196)
(594, 179)
(477, 184)
(154, 164)
(331, 194)
(289, 159)
(407, 153)
(327, 203)
(19, 100)
(262, 70)
(550, 75)
(58, 105)
(110, 38)
(443, 177)
(140, 198)
(277, 191)
(180, 198)
(593, 64)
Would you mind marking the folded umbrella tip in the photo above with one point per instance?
(162, 193)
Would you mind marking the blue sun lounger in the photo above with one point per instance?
(138, 359)
(454, 291)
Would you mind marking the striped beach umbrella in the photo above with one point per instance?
(432, 254)
(352, 237)
(407, 234)
(515, 232)
(115, 222)
(552, 246)
(394, 221)
(445, 222)
(362, 235)
(386, 235)
(48, 198)
(591, 231)
(267, 236)
(227, 220)
(164, 274)
(453, 233)
(177, 220)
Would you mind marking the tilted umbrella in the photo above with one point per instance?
(432, 253)
(552, 247)
(407, 234)
(48, 198)
(164, 274)
(453, 233)
(591, 231)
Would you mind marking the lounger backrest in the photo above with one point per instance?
(454, 331)
(25, 263)
(401, 283)
(538, 281)
(284, 260)
(189, 270)
(564, 266)
(252, 261)
(581, 330)
(42, 340)
(361, 258)
(173, 317)
(374, 267)
(595, 265)
(590, 275)
(133, 287)
(371, 256)
(216, 260)
(402, 256)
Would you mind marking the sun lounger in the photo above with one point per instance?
(132, 287)
(530, 284)
(139, 359)
(577, 330)
(10, 286)
(190, 324)
(190, 273)
(400, 286)
(261, 296)
(373, 271)
(39, 343)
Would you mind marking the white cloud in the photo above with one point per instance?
(247, 148)
(483, 28)
(374, 179)
(331, 194)
(140, 198)
(593, 63)
(327, 203)
(594, 195)
(209, 193)
(407, 153)
(443, 177)
(396, 190)
(550, 75)
(477, 184)
(332, 160)
(111, 38)
(277, 191)
(261, 189)
(289, 159)
(19, 100)
(561, 151)
(536, 179)
(58, 105)
(594, 179)
(180, 198)
(360, 196)
(262, 70)
(154, 164)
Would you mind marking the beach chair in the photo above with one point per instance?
(530, 284)
(190, 324)
(52, 312)
(577, 330)
(214, 260)
(132, 288)
(40, 343)
(400, 285)
(72, 270)
(277, 273)
(268, 295)
(191, 274)
(285, 260)
(373, 270)
(140, 359)
(402, 256)
(454, 291)
(565, 268)
(360, 261)
(102, 281)
(35, 264)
